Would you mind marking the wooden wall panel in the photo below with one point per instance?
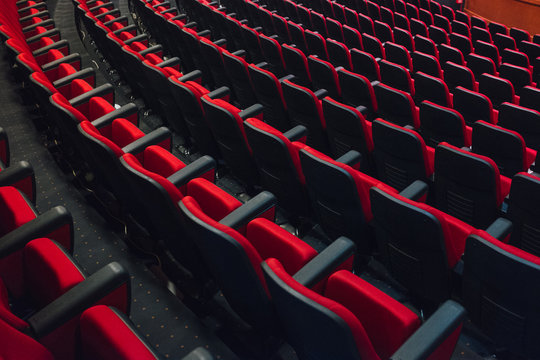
(524, 14)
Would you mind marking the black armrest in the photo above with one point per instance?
(233, 15)
(128, 28)
(321, 93)
(326, 262)
(466, 148)
(19, 171)
(287, 77)
(123, 112)
(153, 138)
(109, 6)
(48, 33)
(102, 90)
(408, 127)
(220, 42)
(258, 205)
(262, 64)
(191, 76)
(190, 24)
(219, 93)
(273, 36)
(41, 226)
(352, 158)
(251, 111)
(57, 45)
(296, 133)
(42, 14)
(499, 229)
(79, 298)
(71, 58)
(240, 53)
(258, 28)
(151, 50)
(213, 3)
(415, 191)
(169, 62)
(83, 74)
(140, 38)
(199, 353)
(244, 21)
(180, 17)
(197, 168)
(113, 12)
(43, 23)
(170, 10)
(362, 109)
(204, 33)
(40, 5)
(121, 19)
(432, 333)
(164, 3)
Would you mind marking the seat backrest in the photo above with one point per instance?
(523, 120)
(531, 49)
(316, 44)
(396, 76)
(530, 98)
(504, 42)
(481, 34)
(365, 64)
(398, 54)
(519, 35)
(519, 76)
(461, 28)
(442, 22)
(438, 35)
(497, 28)
(383, 31)
(425, 45)
(467, 185)
(373, 46)
(339, 54)
(489, 50)
(440, 124)
(490, 287)
(463, 43)
(237, 70)
(431, 88)
(457, 75)
(505, 147)
(400, 155)
(480, 65)
(473, 105)
(450, 53)
(402, 21)
(356, 90)
(404, 38)
(324, 76)
(418, 27)
(366, 24)
(515, 57)
(497, 89)
(297, 64)
(352, 37)
(396, 106)
(335, 29)
(271, 51)
(427, 64)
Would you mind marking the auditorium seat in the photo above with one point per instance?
(518, 76)
(365, 64)
(431, 88)
(480, 65)
(396, 76)
(324, 76)
(398, 54)
(425, 45)
(357, 90)
(523, 120)
(497, 89)
(488, 50)
(473, 106)
(441, 124)
(396, 106)
(297, 64)
(428, 64)
(530, 98)
(458, 75)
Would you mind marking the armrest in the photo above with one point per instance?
(113, 12)
(130, 28)
(244, 21)
(204, 33)
(19, 171)
(42, 14)
(109, 6)
(258, 205)
(154, 138)
(262, 64)
(408, 127)
(199, 353)
(273, 36)
(219, 93)
(326, 262)
(151, 50)
(415, 191)
(252, 111)
(121, 19)
(103, 90)
(141, 38)
(171, 10)
(191, 24)
(352, 158)
(169, 62)
(164, 3)
(466, 148)
(57, 45)
(48, 33)
(287, 77)
(220, 42)
(258, 28)
(197, 168)
(43, 23)
(79, 298)
(83, 74)
(499, 229)
(180, 17)
(432, 333)
(40, 5)
(241, 53)
(296, 133)
(71, 58)
(191, 76)
(41, 226)
(124, 112)
(321, 93)
(233, 15)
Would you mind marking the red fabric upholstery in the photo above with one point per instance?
(161, 161)
(508, 248)
(18, 346)
(124, 132)
(316, 101)
(14, 209)
(387, 322)
(96, 107)
(91, 130)
(61, 100)
(212, 200)
(104, 336)
(75, 88)
(49, 272)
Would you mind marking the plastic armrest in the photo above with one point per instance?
(43, 23)
(151, 50)
(71, 58)
(79, 298)
(169, 62)
(352, 158)
(219, 93)
(154, 138)
(252, 111)
(44, 34)
(40, 5)
(141, 38)
(321, 93)
(41, 14)
(199, 353)
(189, 25)
(102, 90)
(128, 28)
(232, 15)
(123, 112)
(170, 10)
(241, 53)
(466, 148)
(287, 77)
(197, 168)
(273, 36)
(56, 45)
(220, 42)
(432, 333)
(326, 262)
(40, 226)
(17, 172)
(296, 133)
(180, 17)
(244, 21)
(164, 3)
(262, 64)
(113, 12)
(258, 28)
(415, 191)
(500, 228)
(121, 19)
(213, 3)
(408, 127)
(204, 33)
(83, 74)
(256, 206)
(191, 76)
